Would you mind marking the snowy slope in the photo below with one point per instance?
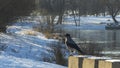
(25, 48)
(22, 44)
(13, 62)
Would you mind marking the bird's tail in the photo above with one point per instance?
(81, 52)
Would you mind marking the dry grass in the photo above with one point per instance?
(48, 34)
(28, 32)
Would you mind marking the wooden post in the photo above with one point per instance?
(92, 62)
(109, 64)
(101, 64)
(88, 63)
(76, 61)
(81, 61)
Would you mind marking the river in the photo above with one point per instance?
(109, 40)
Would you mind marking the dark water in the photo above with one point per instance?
(109, 38)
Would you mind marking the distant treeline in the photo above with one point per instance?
(53, 8)
(10, 9)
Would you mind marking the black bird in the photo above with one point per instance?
(71, 45)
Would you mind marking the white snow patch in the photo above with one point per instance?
(88, 23)
(13, 62)
(113, 60)
(94, 57)
(83, 56)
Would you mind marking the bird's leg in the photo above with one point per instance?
(67, 47)
(74, 51)
(70, 52)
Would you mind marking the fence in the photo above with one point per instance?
(82, 61)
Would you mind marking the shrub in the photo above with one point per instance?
(59, 53)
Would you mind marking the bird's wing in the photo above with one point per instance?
(72, 44)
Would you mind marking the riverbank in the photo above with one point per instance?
(23, 47)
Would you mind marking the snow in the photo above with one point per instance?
(92, 57)
(83, 56)
(25, 47)
(14, 62)
(111, 52)
(103, 58)
(113, 60)
(88, 23)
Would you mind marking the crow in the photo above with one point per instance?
(71, 45)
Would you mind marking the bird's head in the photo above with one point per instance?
(67, 35)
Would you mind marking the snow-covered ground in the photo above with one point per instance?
(14, 62)
(88, 23)
(22, 47)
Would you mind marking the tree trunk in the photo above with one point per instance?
(104, 14)
(74, 17)
(79, 18)
(79, 21)
(52, 23)
(114, 19)
(60, 19)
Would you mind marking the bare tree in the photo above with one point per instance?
(60, 8)
(80, 7)
(53, 9)
(113, 7)
(73, 9)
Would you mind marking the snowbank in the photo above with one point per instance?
(14, 62)
(25, 48)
